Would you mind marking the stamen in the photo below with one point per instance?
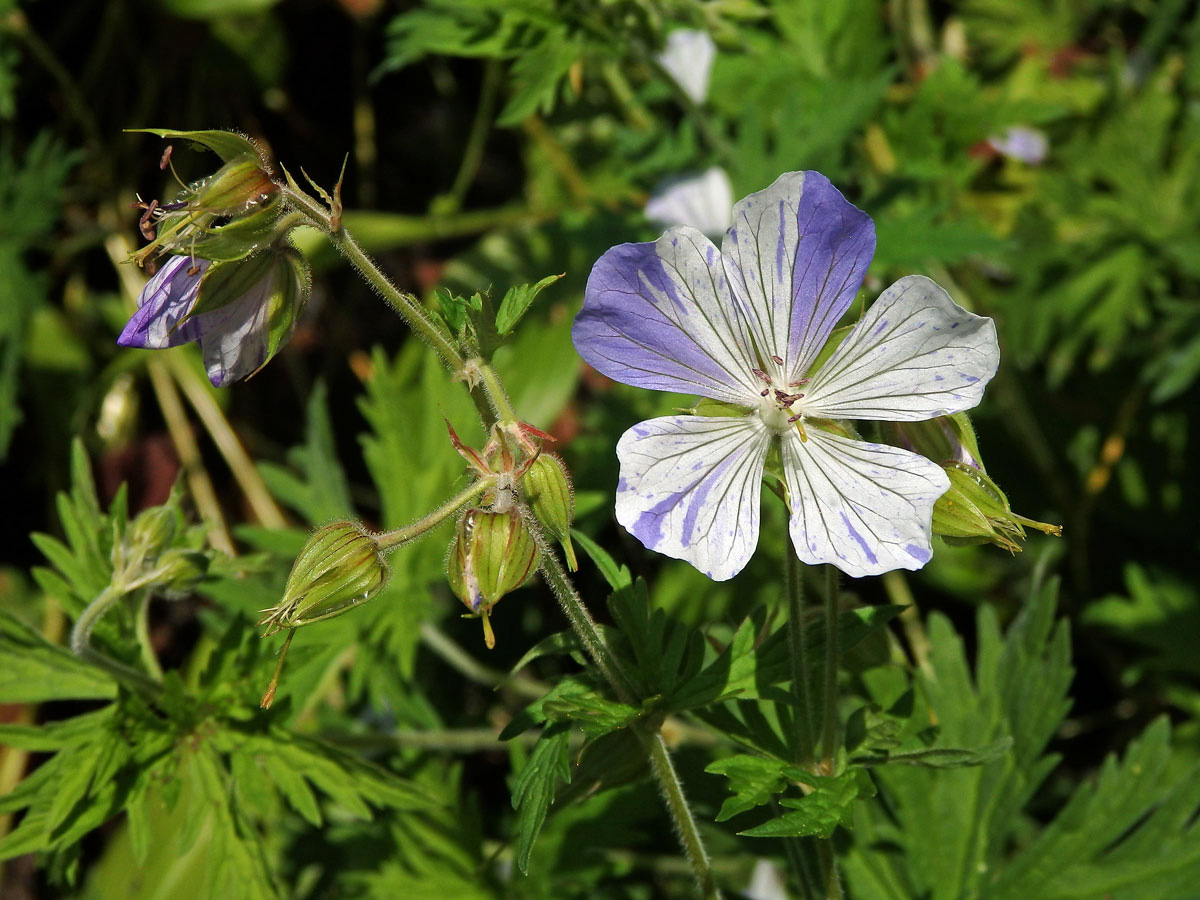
(761, 376)
(144, 225)
(800, 383)
(166, 158)
(777, 360)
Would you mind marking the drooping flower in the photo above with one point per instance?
(743, 326)
(703, 201)
(241, 312)
(688, 57)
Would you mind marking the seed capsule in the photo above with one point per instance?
(548, 490)
(492, 554)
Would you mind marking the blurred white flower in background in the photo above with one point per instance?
(688, 57)
(704, 201)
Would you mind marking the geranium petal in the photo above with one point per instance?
(703, 201)
(690, 488)
(236, 336)
(795, 256)
(688, 57)
(163, 305)
(865, 508)
(660, 316)
(916, 354)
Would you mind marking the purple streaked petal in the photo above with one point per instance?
(865, 508)
(915, 355)
(795, 256)
(164, 304)
(237, 335)
(660, 316)
(690, 488)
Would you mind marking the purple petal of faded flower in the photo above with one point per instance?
(163, 305)
(915, 354)
(660, 316)
(690, 488)
(795, 256)
(702, 201)
(236, 336)
(865, 508)
(1022, 143)
(688, 57)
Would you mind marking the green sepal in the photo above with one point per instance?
(226, 144)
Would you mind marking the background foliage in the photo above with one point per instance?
(491, 144)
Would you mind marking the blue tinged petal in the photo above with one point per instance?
(795, 256)
(164, 304)
(865, 508)
(690, 488)
(915, 355)
(660, 316)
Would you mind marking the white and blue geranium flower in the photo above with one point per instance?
(743, 325)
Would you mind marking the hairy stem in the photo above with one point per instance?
(81, 636)
(681, 813)
(408, 307)
(389, 540)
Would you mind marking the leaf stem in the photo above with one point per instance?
(493, 387)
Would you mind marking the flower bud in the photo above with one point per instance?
(150, 532)
(548, 490)
(492, 553)
(178, 571)
(974, 510)
(340, 567)
(224, 216)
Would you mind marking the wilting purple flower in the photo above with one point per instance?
(1020, 142)
(743, 325)
(702, 201)
(240, 312)
(688, 57)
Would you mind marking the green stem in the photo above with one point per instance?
(829, 710)
(476, 139)
(149, 660)
(689, 834)
(802, 728)
(389, 540)
(409, 308)
(830, 878)
(577, 613)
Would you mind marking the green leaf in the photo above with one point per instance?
(754, 780)
(534, 788)
(536, 76)
(321, 493)
(819, 812)
(32, 670)
(616, 575)
(517, 301)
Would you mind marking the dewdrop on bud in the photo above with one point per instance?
(492, 554)
(548, 490)
(339, 568)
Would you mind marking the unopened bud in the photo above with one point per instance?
(548, 490)
(150, 532)
(178, 571)
(492, 554)
(946, 438)
(339, 568)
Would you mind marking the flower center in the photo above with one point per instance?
(780, 407)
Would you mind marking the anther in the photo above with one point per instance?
(166, 158)
(761, 376)
(778, 361)
(144, 225)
